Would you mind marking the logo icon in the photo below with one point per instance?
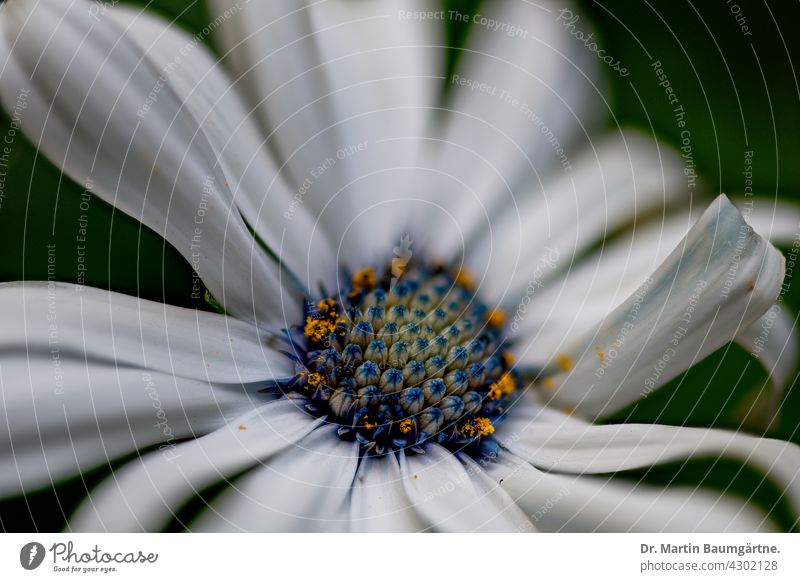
(31, 555)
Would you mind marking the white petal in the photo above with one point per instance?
(604, 449)
(521, 100)
(772, 340)
(100, 326)
(263, 196)
(328, 76)
(719, 280)
(101, 111)
(144, 494)
(564, 307)
(776, 220)
(379, 502)
(305, 488)
(61, 416)
(450, 499)
(627, 175)
(491, 487)
(566, 503)
(529, 413)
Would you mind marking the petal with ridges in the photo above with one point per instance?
(260, 192)
(305, 488)
(609, 448)
(776, 220)
(129, 140)
(566, 503)
(772, 340)
(449, 499)
(379, 502)
(623, 177)
(145, 494)
(60, 416)
(511, 119)
(719, 280)
(100, 326)
(341, 85)
(564, 307)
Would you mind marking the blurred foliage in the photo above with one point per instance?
(739, 91)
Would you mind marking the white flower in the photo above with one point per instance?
(324, 135)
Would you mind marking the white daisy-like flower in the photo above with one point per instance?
(334, 202)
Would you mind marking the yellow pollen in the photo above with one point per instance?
(327, 305)
(548, 383)
(314, 380)
(369, 425)
(365, 279)
(496, 317)
(479, 426)
(406, 425)
(465, 279)
(503, 387)
(601, 355)
(509, 359)
(468, 429)
(565, 362)
(317, 329)
(484, 426)
(242, 427)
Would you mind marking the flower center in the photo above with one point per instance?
(398, 360)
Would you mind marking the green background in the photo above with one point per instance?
(739, 93)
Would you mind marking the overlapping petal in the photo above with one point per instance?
(61, 416)
(145, 494)
(129, 139)
(96, 326)
(719, 280)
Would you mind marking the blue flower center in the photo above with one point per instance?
(400, 361)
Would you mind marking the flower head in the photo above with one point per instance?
(415, 333)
